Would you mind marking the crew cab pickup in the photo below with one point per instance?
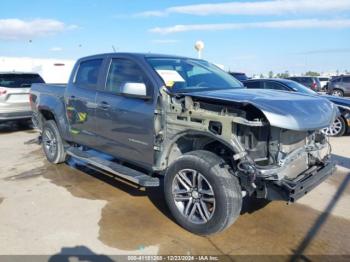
(186, 120)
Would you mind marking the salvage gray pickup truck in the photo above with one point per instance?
(188, 121)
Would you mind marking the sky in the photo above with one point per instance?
(243, 35)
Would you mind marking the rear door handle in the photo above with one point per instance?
(104, 105)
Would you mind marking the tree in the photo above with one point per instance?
(283, 75)
(312, 73)
(270, 74)
(262, 76)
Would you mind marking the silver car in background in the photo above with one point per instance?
(339, 86)
(14, 95)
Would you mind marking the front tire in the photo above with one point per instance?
(202, 194)
(52, 143)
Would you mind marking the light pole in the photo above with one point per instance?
(199, 46)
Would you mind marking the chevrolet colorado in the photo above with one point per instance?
(213, 140)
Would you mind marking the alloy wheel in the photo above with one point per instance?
(337, 93)
(194, 196)
(50, 142)
(334, 129)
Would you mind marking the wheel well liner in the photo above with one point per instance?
(193, 140)
(47, 115)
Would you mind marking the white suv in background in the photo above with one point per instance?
(14, 95)
(324, 80)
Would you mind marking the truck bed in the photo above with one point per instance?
(49, 89)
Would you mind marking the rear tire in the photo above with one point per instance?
(52, 143)
(337, 92)
(209, 200)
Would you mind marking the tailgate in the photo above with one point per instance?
(15, 98)
(18, 96)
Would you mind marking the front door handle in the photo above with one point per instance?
(104, 105)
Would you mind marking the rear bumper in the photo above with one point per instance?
(292, 190)
(16, 115)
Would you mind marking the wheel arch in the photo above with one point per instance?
(56, 113)
(191, 140)
(339, 88)
(347, 123)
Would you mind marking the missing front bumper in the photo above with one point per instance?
(292, 190)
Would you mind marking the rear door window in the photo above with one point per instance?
(253, 84)
(19, 80)
(88, 72)
(346, 79)
(308, 80)
(273, 85)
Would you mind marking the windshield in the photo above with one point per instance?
(300, 88)
(19, 80)
(190, 75)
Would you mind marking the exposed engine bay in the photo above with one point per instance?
(278, 153)
(241, 134)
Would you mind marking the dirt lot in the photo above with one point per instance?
(47, 209)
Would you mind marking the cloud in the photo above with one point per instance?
(56, 49)
(16, 29)
(326, 51)
(290, 24)
(272, 7)
(152, 13)
(165, 41)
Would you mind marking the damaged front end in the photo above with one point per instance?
(286, 166)
(268, 147)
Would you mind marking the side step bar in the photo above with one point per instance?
(124, 172)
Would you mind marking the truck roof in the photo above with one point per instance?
(136, 55)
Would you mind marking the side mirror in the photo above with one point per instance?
(137, 90)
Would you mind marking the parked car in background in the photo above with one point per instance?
(339, 86)
(239, 76)
(340, 126)
(324, 80)
(309, 81)
(14, 96)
